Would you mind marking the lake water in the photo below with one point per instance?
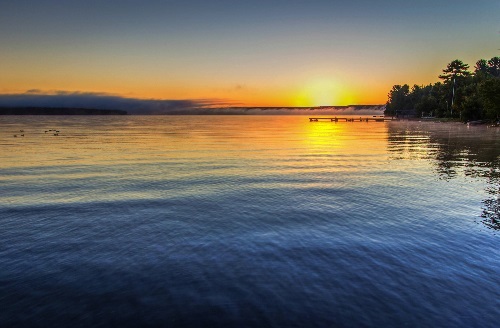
(189, 221)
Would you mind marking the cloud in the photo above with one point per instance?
(69, 99)
(34, 91)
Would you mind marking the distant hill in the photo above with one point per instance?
(58, 111)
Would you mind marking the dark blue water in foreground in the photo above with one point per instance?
(248, 221)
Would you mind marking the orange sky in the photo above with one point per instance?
(258, 54)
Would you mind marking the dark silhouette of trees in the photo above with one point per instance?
(481, 67)
(461, 94)
(398, 99)
(454, 75)
(489, 93)
(455, 69)
(494, 66)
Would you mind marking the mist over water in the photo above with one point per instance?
(64, 99)
(257, 221)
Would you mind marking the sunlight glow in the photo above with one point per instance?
(322, 92)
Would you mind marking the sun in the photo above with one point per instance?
(321, 92)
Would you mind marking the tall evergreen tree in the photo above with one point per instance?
(494, 66)
(453, 74)
(461, 94)
(481, 67)
(455, 69)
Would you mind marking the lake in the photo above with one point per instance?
(189, 221)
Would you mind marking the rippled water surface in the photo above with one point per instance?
(257, 221)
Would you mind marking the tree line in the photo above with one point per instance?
(460, 94)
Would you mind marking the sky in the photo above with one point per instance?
(238, 53)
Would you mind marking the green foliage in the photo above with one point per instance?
(471, 108)
(462, 94)
(427, 106)
(489, 93)
(398, 99)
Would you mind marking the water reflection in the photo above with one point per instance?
(491, 210)
(455, 150)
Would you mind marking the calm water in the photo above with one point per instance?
(248, 221)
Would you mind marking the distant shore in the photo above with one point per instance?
(58, 111)
(163, 109)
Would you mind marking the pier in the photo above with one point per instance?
(353, 119)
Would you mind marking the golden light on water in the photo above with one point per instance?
(325, 136)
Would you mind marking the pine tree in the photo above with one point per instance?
(455, 69)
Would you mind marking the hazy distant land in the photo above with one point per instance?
(172, 110)
(321, 110)
(58, 111)
(36, 102)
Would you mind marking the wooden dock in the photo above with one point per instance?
(353, 119)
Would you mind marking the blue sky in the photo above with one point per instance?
(248, 52)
